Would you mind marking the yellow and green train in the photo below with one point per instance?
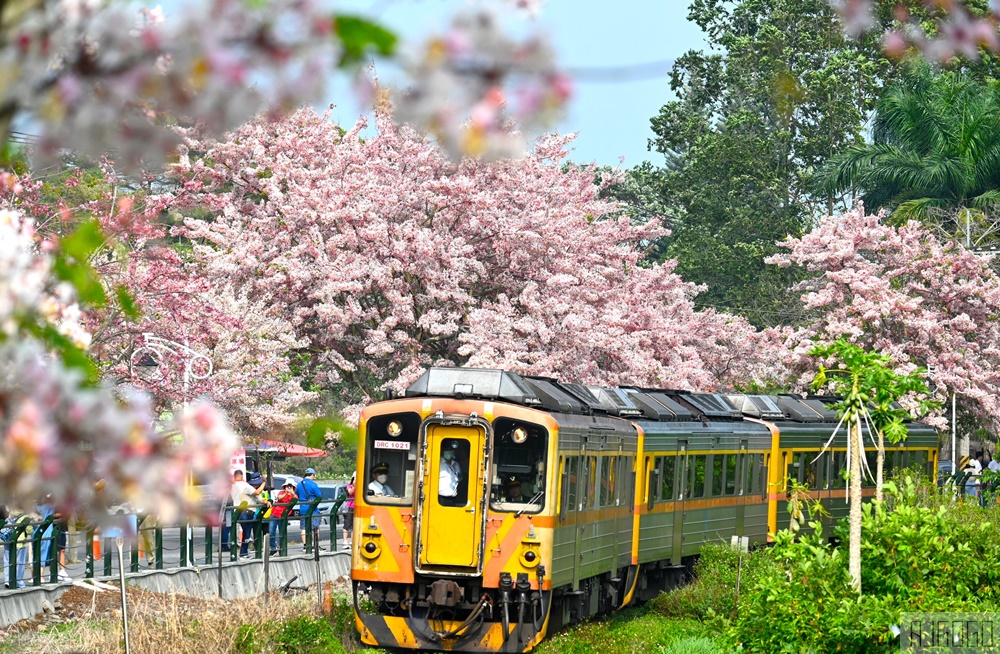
(494, 508)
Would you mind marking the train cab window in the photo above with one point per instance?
(391, 453)
(520, 456)
(918, 460)
(755, 473)
(669, 473)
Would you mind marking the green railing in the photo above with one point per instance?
(192, 539)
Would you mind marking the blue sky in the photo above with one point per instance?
(612, 117)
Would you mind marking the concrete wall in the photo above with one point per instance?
(240, 580)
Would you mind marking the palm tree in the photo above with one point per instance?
(935, 155)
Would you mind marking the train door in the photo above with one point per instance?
(681, 492)
(451, 515)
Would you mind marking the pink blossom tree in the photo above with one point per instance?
(903, 293)
(388, 256)
(151, 287)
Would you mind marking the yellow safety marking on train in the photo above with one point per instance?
(395, 560)
(401, 632)
(504, 545)
(488, 411)
(639, 464)
(670, 506)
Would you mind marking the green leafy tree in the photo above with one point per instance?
(935, 155)
(781, 90)
(870, 390)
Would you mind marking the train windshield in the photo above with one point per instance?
(391, 455)
(520, 452)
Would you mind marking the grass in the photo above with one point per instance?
(290, 626)
(640, 629)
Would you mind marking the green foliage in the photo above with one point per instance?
(780, 90)
(358, 35)
(711, 595)
(632, 630)
(697, 645)
(933, 158)
(869, 385)
(927, 555)
(306, 635)
(920, 551)
(246, 640)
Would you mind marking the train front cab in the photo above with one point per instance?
(463, 572)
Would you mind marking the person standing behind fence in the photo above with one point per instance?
(307, 492)
(282, 503)
(15, 546)
(349, 511)
(975, 468)
(245, 503)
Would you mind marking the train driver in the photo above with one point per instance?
(450, 475)
(513, 492)
(378, 485)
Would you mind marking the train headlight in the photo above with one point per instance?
(395, 428)
(531, 554)
(371, 541)
(519, 435)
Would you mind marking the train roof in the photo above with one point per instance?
(632, 402)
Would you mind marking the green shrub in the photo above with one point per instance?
(692, 646)
(246, 640)
(712, 592)
(920, 552)
(306, 635)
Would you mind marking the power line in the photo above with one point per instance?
(623, 73)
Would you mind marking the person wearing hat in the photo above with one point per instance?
(450, 474)
(281, 504)
(378, 486)
(514, 490)
(307, 491)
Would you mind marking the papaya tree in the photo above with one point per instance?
(870, 389)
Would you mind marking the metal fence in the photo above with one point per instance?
(33, 549)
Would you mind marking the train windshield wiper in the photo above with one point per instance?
(532, 501)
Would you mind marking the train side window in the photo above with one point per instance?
(590, 472)
(867, 481)
(732, 461)
(812, 470)
(655, 480)
(669, 474)
(718, 466)
(754, 464)
(573, 467)
(607, 492)
(697, 487)
(764, 476)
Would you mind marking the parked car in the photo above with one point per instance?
(332, 491)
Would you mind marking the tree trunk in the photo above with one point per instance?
(854, 542)
(879, 467)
